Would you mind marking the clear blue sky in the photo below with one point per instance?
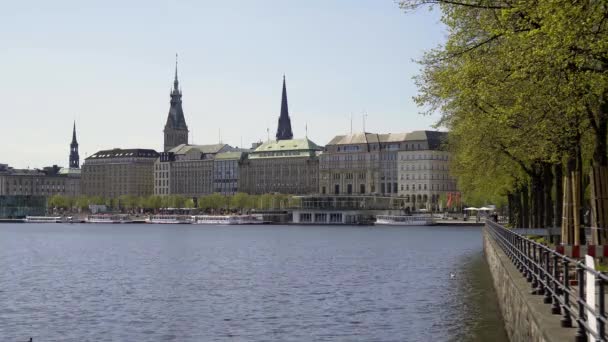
(109, 66)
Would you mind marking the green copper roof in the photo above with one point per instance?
(286, 148)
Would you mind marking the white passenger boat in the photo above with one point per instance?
(402, 220)
(226, 219)
(109, 218)
(170, 219)
(43, 219)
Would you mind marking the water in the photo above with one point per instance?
(250, 283)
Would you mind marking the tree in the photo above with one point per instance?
(520, 83)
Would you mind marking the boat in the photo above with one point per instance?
(43, 219)
(170, 219)
(109, 218)
(403, 220)
(226, 219)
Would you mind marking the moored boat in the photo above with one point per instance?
(403, 220)
(170, 219)
(226, 219)
(43, 219)
(109, 218)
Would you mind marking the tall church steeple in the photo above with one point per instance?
(74, 157)
(284, 129)
(176, 130)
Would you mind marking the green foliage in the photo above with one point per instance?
(518, 84)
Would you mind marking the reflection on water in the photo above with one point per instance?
(257, 283)
(479, 303)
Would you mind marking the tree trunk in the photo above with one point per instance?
(599, 182)
(568, 209)
(525, 195)
(536, 198)
(578, 196)
(510, 212)
(519, 211)
(559, 193)
(548, 187)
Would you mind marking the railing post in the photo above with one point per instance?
(581, 332)
(547, 287)
(555, 309)
(522, 257)
(567, 319)
(528, 262)
(534, 271)
(602, 313)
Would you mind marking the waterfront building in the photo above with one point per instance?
(47, 181)
(284, 165)
(117, 172)
(423, 166)
(176, 130)
(192, 170)
(20, 206)
(360, 163)
(226, 172)
(413, 167)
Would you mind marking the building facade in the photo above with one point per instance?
(117, 172)
(38, 182)
(176, 130)
(284, 166)
(411, 166)
(423, 167)
(191, 170)
(360, 163)
(48, 181)
(226, 172)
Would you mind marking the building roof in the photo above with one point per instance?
(69, 171)
(229, 155)
(123, 153)
(434, 138)
(286, 148)
(206, 149)
(355, 138)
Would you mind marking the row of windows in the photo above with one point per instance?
(424, 167)
(424, 187)
(442, 176)
(424, 157)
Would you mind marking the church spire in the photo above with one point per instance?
(176, 130)
(175, 82)
(74, 134)
(284, 129)
(74, 157)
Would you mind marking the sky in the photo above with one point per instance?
(109, 66)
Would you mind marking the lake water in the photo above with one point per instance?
(93, 282)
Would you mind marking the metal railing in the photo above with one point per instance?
(550, 275)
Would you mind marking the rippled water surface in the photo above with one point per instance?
(250, 283)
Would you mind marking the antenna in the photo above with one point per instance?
(268, 134)
(351, 123)
(306, 129)
(364, 115)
